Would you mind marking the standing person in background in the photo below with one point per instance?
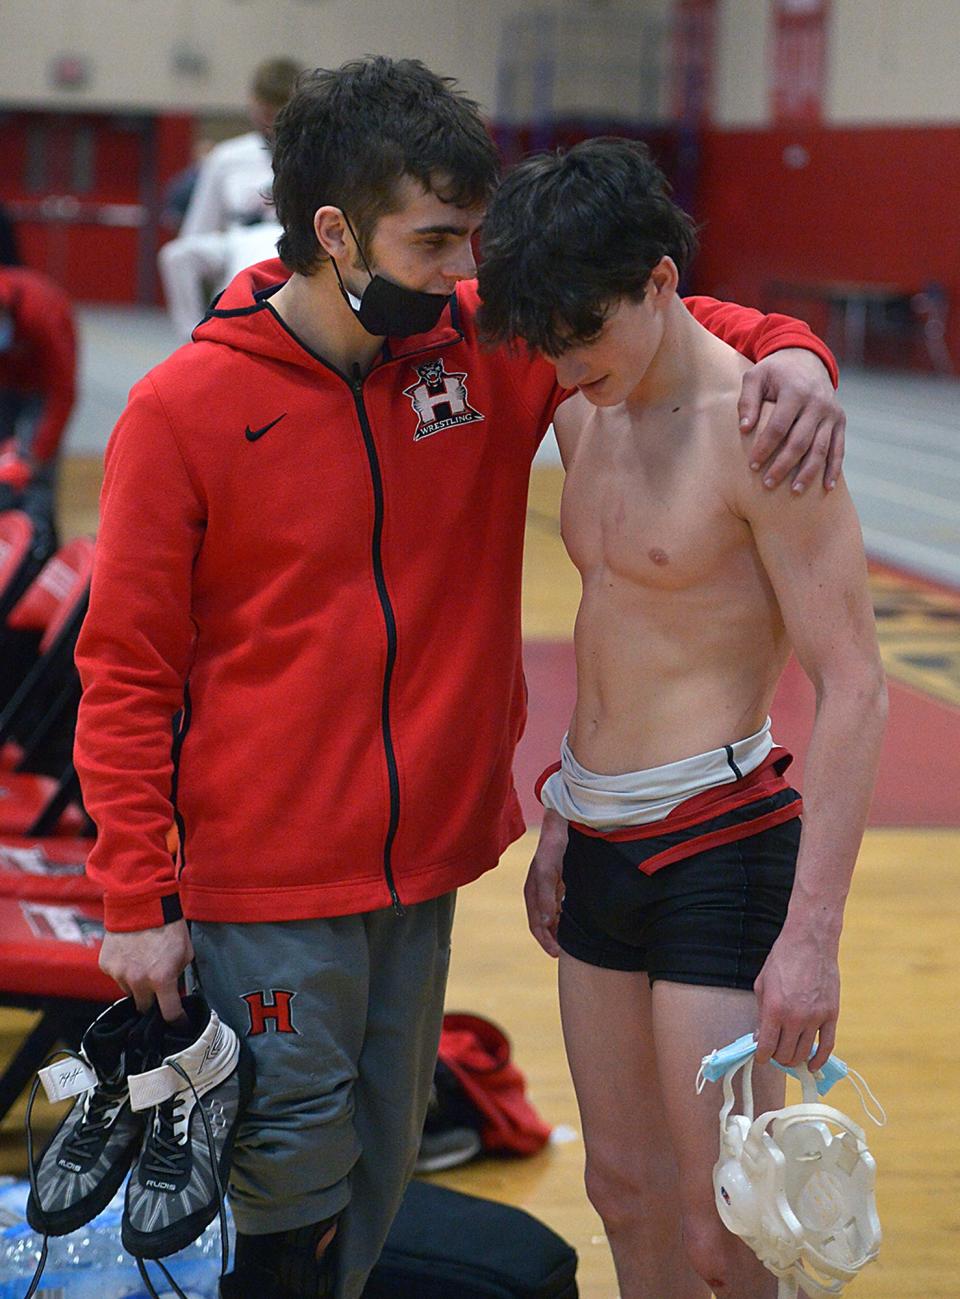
(230, 206)
(311, 541)
(38, 369)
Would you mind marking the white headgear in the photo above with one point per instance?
(796, 1184)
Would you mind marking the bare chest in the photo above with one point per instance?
(647, 512)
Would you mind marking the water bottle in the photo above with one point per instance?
(92, 1253)
(91, 1263)
(13, 1200)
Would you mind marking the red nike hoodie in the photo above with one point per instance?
(320, 575)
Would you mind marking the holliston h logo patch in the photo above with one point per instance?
(270, 1006)
(439, 400)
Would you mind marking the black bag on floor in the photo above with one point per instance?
(444, 1245)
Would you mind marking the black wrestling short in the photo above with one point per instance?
(709, 918)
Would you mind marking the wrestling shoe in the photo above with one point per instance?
(87, 1157)
(195, 1099)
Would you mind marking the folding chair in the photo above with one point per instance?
(45, 869)
(19, 565)
(39, 793)
(18, 559)
(49, 951)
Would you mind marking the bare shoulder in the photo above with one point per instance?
(569, 422)
(727, 450)
(742, 486)
(806, 520)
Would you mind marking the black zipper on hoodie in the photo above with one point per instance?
(391, 626)
(262, 302)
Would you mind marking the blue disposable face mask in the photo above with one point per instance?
(721, 1061)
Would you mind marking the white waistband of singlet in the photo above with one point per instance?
(606, 802)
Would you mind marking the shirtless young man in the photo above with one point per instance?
(696, 585)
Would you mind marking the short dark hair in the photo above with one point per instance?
(349, 135)
(569, 234)
(274, 80)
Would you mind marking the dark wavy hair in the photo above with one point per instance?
(349, 135)
(569, 234)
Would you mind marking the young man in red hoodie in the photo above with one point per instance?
(311, 541)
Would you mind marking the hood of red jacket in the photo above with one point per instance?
(243, 317)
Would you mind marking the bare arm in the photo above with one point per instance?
(568, 422)
(812, 552)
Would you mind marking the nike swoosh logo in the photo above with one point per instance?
(254, 433)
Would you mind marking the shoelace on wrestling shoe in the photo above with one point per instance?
(173, 1164)
(90, 1133)
(88, 1155)
(177, 1185)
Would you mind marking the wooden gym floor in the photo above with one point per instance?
(900, 954)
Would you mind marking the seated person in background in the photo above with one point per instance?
(672, 877)
(38, 369)
(232, 191)
(179, 188)
(194, 268)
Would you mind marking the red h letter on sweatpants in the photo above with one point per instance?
(264, 1006)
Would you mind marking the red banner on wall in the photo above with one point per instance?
(799, 64)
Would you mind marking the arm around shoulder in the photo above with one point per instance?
(755, 335)
(804, 437)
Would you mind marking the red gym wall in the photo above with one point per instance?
(84, 190)
(829, 151)
(871, 204)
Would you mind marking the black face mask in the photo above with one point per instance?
(387, 308)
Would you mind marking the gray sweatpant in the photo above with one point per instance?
(343, 1018)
